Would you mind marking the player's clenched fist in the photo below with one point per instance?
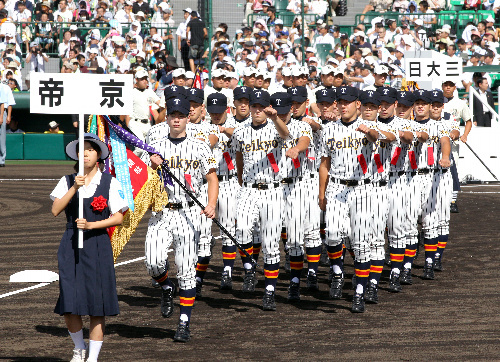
(270, 112)
(292, 153)
(156, 161)
(363, 129)
(445, 162)
(209, 212)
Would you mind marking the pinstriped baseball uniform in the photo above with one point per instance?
(261, 147)
(436, 211)
(351, 155)
(189, 160)
(380, 202)
(295, 210)
(161, 130)
(228, 182)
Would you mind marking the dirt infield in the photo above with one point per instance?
(454, 317)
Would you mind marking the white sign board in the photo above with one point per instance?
(81, 93)
(438, 67)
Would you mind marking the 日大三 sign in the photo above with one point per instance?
(438, 67)
(81, 93)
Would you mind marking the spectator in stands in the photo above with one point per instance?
(27, 4)
(43, 33)
(400, 6)
(271, 13)
(22, 16)
(324, 37)
(376, 5)
(54, 128)
(125, 15)
(14, 127)
(37, 58)
(14, 85)
(428, 19)
(198, 32)
(65, 13)
(482, 115)
(140, 5)
(43, 8)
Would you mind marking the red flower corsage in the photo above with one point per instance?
(99, 203)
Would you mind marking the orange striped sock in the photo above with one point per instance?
(271, 272)
(202, 266)
(313, 256)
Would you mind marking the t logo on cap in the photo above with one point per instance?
(214, 101)
(278, 101)
(403, 94)
(244, 89)
(435, 93)
(174, 88)
(386, 91)
(176, 101)
(193, 91)
(258, 93)
(370, 93)
(343, 89)
(324, 92)
(294, 91)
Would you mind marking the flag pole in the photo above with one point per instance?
(81, 127)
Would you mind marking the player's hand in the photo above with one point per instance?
(79, 181)
(209, 211)
(363, 129)
(308, 120)
(330, 116)
(401, 134)
(155, 161)
(463, 138)
(83, 224)
(222, 129)
(292, 153)
(271, 112)
(445, 162)
(322, 203)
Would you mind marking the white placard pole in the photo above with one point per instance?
(81, 156)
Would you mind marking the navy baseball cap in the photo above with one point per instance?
(282, 102)
(388, 94)
(347, 93)
(437, 96)
(196, 95)
(178, 105)
(369, 96)
(328, 95)
(260, 97)
(174, 91)
(298, 94)
(216, 103)
(423, 95)
(406, 98)
(241, 92)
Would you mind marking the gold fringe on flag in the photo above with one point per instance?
(152, 195)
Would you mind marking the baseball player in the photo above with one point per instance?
(249, 74)
(460, 110)
(330, 78)
(178, 224)
(309, 185)
(345, 191)
(258, 147)
(293, 168)
(370, 105)
(241, 97)
(218, 77)
(442, 183)
(421, 183)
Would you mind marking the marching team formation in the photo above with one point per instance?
(371, 165)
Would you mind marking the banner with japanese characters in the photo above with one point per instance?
(81, 93)
(438, 67)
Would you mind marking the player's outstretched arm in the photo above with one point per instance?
(213, 193)
(389, 136)
(281, 127)
(324, 169)
(422, 137)
(468, 127)
(302, 145)
(406, 137)
(371, 134)
(239, 167)
(445, 152)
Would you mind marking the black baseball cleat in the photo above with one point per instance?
(249, 281)
(312, 281)
(394, 284)
(167, 302)
(294, 292)
(268, 302)
(428, 271)
(437, 264)
(226, 282)
(405, 277)
(358, 303)
(336, 286)
(154, 283)
(454, 208)
(387, 260)
(183, 334)
(199, 285)
(371, 294)
(287, 263)
(354, 283)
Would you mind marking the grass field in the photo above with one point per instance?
(454, 317)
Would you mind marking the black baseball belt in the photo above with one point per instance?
(179, 205)
(262, 186)
(351, 183)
